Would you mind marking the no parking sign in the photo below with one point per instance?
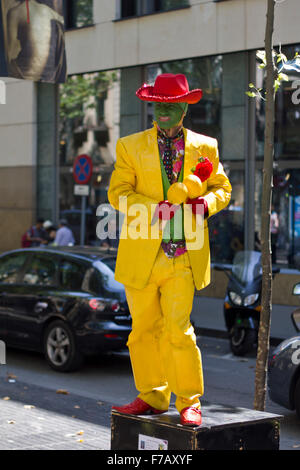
(82, 173)
(82, 169)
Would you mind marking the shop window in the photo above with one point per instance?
(287, 113)
(286, 173)
(205, 73)
(78, 13)
(89, 124)
(131, 8)
(205, 117)
(227, 227)
(286, 205)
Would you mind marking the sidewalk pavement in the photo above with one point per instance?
(36, 418)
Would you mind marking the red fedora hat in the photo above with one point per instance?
(169, 88)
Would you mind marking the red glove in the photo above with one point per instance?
(163, 211)
(199, 204)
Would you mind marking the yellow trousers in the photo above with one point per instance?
(162, 345)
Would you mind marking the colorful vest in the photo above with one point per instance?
(174, 229)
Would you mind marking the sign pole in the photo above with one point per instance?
(82, 173)
(82, 225)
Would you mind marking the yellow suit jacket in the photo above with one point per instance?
(136, 182)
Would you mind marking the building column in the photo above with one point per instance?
(131, 113)
(47, 168)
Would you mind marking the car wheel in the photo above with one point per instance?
(297, 397)
(60, 347)
(242, 341)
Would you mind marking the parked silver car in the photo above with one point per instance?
(284, 368)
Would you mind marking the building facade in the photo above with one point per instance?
(113, 46)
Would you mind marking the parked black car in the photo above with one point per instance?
(63, 302)
(284, 368)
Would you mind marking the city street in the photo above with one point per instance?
(72, 411)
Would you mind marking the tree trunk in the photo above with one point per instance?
(265, 318)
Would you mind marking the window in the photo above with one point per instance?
(95, 284)
(227, 227)
(217, 115)
(41, 272)
(206, 73)
(71, 275)
(131, 8)
(78, 13)
(102, 279)
(89, 124)
(128, 8)
(286, 203)
(287, 113)
(10, 267)
(286, 174)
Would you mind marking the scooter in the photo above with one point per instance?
(242, 303)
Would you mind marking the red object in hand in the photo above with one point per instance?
(197, 204)
(203, 169)
(164, 212)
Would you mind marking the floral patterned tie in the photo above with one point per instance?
(168, 160)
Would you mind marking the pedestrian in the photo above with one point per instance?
(160, 273)
(274, 229)
(50, 232)
(34, 236)
(64, 235)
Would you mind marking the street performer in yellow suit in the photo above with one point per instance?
(160, 268)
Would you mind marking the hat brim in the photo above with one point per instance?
(146, 93)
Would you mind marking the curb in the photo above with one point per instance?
(213, 333)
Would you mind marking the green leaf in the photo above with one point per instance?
(251, 94)
(276, 85)
(261, 55)
(281, 58)
(283, 77)
(251, 85)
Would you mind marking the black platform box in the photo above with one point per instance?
(223, 428)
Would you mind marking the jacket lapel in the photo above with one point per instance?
(151, 165)
(191, 152)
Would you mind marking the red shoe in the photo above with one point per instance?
(190, 416)
(138, 407)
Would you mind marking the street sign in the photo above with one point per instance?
(82, 173)
(81, 190)
(82, 169)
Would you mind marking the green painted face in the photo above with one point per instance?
(168, 115)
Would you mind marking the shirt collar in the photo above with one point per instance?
(161, 133)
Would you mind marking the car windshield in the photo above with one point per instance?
(247, 266)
